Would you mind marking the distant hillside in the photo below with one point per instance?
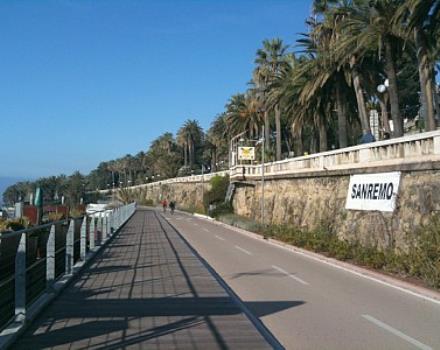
(5, 182)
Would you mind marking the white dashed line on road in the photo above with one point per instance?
(290, 275)
(243, 250)
(396, 332)
(220, 238)
(205, 229)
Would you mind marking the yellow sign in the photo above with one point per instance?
(246, 153)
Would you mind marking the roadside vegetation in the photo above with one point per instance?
(421, 260)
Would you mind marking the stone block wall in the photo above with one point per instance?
(319, 202)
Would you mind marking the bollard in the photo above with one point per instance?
(83, 239)
(69, 247)
(50, 258)
(20, 280)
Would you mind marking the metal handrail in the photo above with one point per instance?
(8, 234)
(107, 225)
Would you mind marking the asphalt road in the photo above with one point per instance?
(314, 305)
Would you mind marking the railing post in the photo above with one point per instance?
(104, 228)
(20, 280)
(69, 247)
(83, 239)
(364, 155)
(50, 258)
(100, 228)
(92, 230)
(107, 225)
(436, 144)
(110, 220)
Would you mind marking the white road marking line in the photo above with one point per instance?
(243, 250)
(220, 238)
(396, 332)
(290, 275)
(323, 260)
(205, 229)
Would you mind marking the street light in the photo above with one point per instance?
(262, 140)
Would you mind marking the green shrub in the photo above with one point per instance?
(221, 209)
(422, 260)
(216, 195)
(146, 202)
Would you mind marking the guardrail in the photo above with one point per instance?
(408, 149)
(42, 255)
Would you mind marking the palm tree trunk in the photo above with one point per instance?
(393, 91)
(383, 103)
(342, 119)
(313, 142)
(322, 135)
(297, 141)
(436, 99)
(191, 153)
(278, 131)
(362, 111)
(287, 141)
(185, 154)
(267, 130)
(427, 108)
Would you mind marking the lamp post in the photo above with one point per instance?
(262, 181)
(262, 142)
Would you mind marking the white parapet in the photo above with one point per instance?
(415, 148)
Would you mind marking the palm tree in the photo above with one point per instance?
(218, 138)
(190, 136)
(366, 27)
(420, 20)
(243, 113)
(269, 61)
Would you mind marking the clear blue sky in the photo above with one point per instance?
(87, 81)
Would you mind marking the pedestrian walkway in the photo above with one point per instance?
(146, 290)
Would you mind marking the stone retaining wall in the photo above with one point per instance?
(319, 201)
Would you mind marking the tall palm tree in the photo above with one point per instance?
(190, 135)
(243, 113)
(269, 61)
(218, 138)
(366, 27)
(420, 20)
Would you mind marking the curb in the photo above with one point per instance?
(406, 287)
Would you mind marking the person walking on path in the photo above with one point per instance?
(172, 206)
(164, 205)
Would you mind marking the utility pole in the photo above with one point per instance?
(262, 182)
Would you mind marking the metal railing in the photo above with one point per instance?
(34, 259)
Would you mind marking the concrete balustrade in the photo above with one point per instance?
(414, 148)
(424, 147)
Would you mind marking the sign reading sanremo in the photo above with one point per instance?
(373, 192)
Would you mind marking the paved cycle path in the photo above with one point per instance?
(147, 289)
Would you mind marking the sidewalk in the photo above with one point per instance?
(147, 289)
